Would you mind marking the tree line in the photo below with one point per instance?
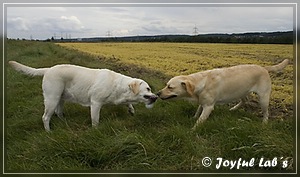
(243, 38)
(246, 38)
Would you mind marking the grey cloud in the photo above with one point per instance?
(160, 29)
(59, 24)
(18, 23)
(120, 20)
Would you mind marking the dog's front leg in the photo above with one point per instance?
(95, 113)
(131, 109)
(197, 114)
(204, 115)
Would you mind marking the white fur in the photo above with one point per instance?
(88, 87)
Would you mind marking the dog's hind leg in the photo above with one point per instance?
(52, 90)
(264, 103)
(50, 106)
(59, 109)
(95, 113)
(264, 91)
(242, 102)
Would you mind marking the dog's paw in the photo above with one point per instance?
(265, 121)
(149, 106)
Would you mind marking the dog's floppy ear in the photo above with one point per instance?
(135, 87)
(189, 87)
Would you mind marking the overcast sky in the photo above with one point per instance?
(45, 22)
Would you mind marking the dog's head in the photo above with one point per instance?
(179, 86)
(142, 92)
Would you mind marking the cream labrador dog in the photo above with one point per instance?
(222, 86)
(88, 87)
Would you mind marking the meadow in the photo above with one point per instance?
(185, 58)
(155, 140)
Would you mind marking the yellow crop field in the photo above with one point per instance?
(185, 58)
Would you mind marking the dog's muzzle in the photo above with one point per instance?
(165, 98)
(151, 98)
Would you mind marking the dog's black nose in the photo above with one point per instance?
(154, 98)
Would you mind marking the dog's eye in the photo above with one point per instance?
(169, 87)
(148, 89)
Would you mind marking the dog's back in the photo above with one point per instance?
(227, 84)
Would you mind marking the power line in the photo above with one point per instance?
(108, 33)
(195, 32)
(54, 36)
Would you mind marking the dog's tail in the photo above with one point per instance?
(27, 70)
(278, 67)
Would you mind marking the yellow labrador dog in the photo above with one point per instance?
(88, 87)
(222, 86)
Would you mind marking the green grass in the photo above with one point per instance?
(159, 139)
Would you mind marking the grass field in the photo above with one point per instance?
(186, 58)
(159, 139)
